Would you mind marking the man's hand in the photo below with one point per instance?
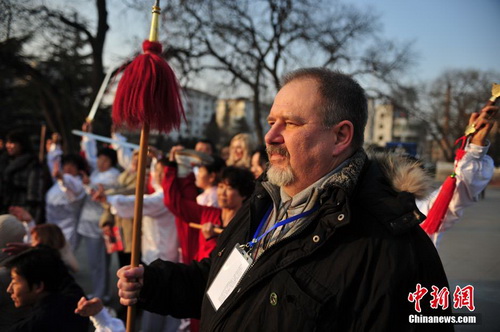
(483, 124)
(88, 308)
(130, 282)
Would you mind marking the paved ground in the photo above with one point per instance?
(470, 252)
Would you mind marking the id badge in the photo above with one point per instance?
(229, 275)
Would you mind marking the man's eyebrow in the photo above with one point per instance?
(286, 117)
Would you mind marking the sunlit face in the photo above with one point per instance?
(70, 168)
(237, 150)
(20, 292)
(299, 146)
(256, 167)
(13, 148)
(228, 197)
(204, 179)
(203, 147)
(158, 174)
(103, 163)
(134, 163)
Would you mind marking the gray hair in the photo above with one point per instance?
(343, 98)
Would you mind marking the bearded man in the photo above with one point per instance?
(326, 243)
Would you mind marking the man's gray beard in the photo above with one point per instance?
(280, 177)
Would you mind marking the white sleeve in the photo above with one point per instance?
(103, 322)
(124, 154)
(473, 173)
(72, 186)
(53, 156)
(89, 146)
(123, 205)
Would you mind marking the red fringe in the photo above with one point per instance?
(148, 92)
(438, 210)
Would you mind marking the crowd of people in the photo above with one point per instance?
(329, 237)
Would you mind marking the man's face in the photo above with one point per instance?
(20, 292)
(203, 147)
(13, 148)
(299, 146)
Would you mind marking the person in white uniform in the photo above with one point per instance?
(473, 173)
(159, 238)
(103, 175)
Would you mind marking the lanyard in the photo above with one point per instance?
(256, 239)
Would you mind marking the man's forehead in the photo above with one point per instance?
(297, 98)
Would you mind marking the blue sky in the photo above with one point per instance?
(447, 33)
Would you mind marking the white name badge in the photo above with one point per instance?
(228, 277)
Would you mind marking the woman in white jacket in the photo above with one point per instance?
(64, 200)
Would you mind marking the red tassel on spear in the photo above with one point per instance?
(436, 214)
(148, 96)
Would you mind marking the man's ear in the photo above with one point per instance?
(344, 133)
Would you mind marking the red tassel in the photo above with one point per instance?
(148, 92)
(438, 210)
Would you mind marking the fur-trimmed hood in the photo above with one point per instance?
(403, 174)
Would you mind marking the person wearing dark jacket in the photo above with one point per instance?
(24, 180)
(326, 242)
(41, 282)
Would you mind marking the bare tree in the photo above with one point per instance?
(59, 57)
(446, 103)
(252, 43)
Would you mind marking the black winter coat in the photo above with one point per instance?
(351, 269)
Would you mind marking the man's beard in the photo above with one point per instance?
(278, 176)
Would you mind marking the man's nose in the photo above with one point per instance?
(274, 135)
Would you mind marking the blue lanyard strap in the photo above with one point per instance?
(257, 238)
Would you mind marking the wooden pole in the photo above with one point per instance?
(41, 148)
(139, 197)
(198, 226)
